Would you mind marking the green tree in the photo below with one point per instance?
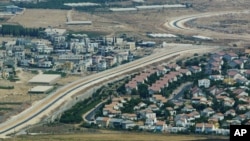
(143, 91)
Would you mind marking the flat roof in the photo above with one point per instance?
(162, 35)
(202, 37)
(161, 6)
(40, 89)
(78, 22)
(45, 78)
(60, 31)
(81, 4)
(122, 9)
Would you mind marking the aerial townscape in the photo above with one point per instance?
(123, 69)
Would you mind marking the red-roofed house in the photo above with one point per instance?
(230, 56)
(247, 73)
(155, 88)
(195, 69)
(130, 86)
(240, 92)
(185, 72)
(173, 66)
(236, 64)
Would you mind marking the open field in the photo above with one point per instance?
(134, 24)
(20, 93)
(40, 18)
(237, 23)
(118, 136)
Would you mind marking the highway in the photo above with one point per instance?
(45, 107)
(177, 24)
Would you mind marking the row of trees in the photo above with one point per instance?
(55, 4)
(18, 30)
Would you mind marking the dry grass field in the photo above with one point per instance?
(40, 18)
(20, 93)
(229, 23)
(117, 136)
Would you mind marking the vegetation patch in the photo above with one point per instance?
(6, 87)
(63, 74)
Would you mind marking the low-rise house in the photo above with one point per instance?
(161, 70)
(195, 114)
(216, 77)
(206, 128)
(230, 112)
(228, 102)
(204, 82)
(247, 73)
(185, 72)
(160, 126)
(199, 128)
(178, 104)
(241, 117)
(207, 112)
(158, 99)
(230, 56)
(181, 122)
(171, 111)
(243, 107)
(129, 116)
(155, 88)
(171, 77)
(218, 116)
(196, 92)
(240, 92)
(44, 64)
(219, 54)
(214, 121)
(130, 86)
(153, 107)
(209, 128)
(102, 121)
(232, 72)
(199, 100)
(247, 115)
(188, 108)
(237, 64)
(195, 69)
(127, 124)
(142, 105)
(150, 121)
(115, 123)
(173, 66)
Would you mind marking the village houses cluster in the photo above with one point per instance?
(218, 98)
(58, 51)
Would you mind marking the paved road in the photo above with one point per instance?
(181, 90)
(45, 107)
(178, 25)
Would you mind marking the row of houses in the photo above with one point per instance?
(170, 73)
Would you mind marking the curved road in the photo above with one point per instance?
(178, 25)
(43, 108)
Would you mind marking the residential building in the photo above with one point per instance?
(204, 82)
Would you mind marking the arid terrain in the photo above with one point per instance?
(103, 135)
(40, 18)
(134, 24)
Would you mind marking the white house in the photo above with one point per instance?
(204, 82)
